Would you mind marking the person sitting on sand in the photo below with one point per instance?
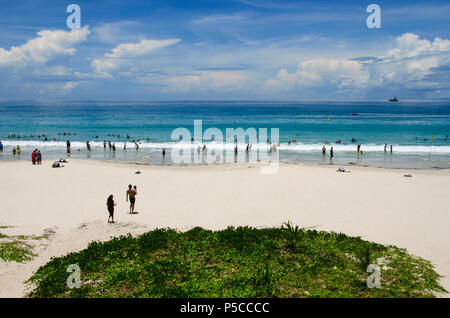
(110, 203)
(131, 193)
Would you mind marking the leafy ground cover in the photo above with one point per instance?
(237, 262)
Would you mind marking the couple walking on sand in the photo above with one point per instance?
(131, 194)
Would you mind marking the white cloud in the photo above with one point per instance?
(409, 45)
(208, 80)
(40, 50)
(123, 54)
(116, 32)
(59, 89)
(68, 87)
(320, 72)
(408, 64)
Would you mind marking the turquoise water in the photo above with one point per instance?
(408, 126)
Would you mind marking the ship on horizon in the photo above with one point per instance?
(393, 99)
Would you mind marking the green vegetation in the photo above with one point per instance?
(16, 248)
(15, 251)
(237, 262)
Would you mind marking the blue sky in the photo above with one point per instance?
(222, 50)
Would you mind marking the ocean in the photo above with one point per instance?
(409, 126)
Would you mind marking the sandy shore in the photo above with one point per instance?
(380, 205)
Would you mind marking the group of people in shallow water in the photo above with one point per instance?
(358, 149)
(36, 157)
(110, 145)
(16, 151)
(130, 196)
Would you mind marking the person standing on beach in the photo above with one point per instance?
(164, 153)
(391, 148)
(331, 153)
(131, 193)
(358, 148)
(385, 147)
(33, 157)
(110, 204)
(324, 150)
(39, 157)
(18, 150)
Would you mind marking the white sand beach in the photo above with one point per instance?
(379, 205)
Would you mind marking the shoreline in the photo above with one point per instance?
(281, 162)
(378, 204)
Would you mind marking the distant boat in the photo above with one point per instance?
(394, 99)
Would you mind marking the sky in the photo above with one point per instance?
(224, 50)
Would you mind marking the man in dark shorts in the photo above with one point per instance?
(131, 193)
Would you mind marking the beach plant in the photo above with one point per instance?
(15, 251)
(16, 248)
(242, 262)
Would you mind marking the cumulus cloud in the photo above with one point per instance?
(409, 64)
(48, 45)
(123, 55)
(320, 72)
(410, 45)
